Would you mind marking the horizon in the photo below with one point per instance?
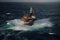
(29, 2)
(36, 1)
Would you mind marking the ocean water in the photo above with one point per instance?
(48, 20)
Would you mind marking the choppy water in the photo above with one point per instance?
(17, 24)
(47, 16)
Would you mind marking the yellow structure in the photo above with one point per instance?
(27, 18)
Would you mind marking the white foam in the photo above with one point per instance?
(19, 25)
(52, 33)
(8, 13)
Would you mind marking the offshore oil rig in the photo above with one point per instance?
(29, 19)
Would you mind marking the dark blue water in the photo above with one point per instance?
(41, 10)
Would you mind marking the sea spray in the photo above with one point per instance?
(38, 24)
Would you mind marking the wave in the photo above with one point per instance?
(17, 24)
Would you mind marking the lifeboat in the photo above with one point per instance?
(29, 19)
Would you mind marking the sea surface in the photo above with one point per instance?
(48, 13)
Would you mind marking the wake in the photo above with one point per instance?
(17, 24)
